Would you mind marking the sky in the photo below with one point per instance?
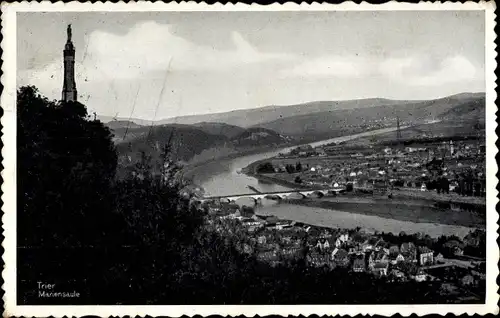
(165, 64)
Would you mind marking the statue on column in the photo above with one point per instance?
(69, 32)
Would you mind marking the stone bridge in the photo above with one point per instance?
(281, 195)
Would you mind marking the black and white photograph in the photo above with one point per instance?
(250, 157)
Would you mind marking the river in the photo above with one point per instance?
(219, 178)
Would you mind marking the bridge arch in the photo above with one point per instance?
(275, 197)
(296, 196)
(316, 194)
(246, 200)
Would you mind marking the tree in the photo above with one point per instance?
(265, 167)
(298, 179)
(66, 164)
(298, 167)
(349, 187)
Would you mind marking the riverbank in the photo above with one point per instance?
(281, 182)
(189, 169)
(396, 209)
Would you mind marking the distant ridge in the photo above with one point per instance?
(462, 107)
(255, 116)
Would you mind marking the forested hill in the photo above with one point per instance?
(259, 137)
(187, 141)
(230, 131)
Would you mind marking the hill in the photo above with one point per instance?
(185, 141)
(138, 121)
(470, 109)
(117, 124)
(223, 129)
(256, 137)
(335, 122)
(189, 141)
(255, 116)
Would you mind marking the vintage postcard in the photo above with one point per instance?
(195, 159)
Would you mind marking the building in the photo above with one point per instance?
(395, 259)
(358, 265)
(426, 256)
(379, 256)
(394, 250)
(341, 257)
(420, 276)
(409, 251)
(323, 244)
(69, 93)
(342, 239)
(320, 260)
(380, 269)
(439, 258)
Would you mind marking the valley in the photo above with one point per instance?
(202, 138)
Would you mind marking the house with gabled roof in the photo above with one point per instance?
(396, 259)
(323, 244)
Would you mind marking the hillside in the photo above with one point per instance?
(186, 142)
(255, 116)
(189, 141)
(118, 124)
(251, 117)
(472, 109)
(310, 125)
(223, 129)
(257, 137)
(258, 116)
(332, 123)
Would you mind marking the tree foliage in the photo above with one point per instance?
(66, 164)
(265, 167)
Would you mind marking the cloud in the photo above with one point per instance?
(410, 70)
(150, 48)
(421, 71)
(331, 66)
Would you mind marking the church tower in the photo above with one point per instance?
(69, 87)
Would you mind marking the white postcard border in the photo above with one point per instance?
(9, 173)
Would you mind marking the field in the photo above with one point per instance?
(444, 129)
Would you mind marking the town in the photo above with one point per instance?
(396, 258)
(441, 164)
(438, 170)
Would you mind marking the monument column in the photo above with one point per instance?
(69, 92)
